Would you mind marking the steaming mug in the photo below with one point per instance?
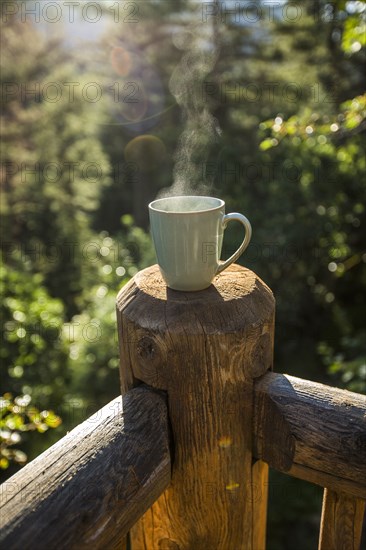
(187, 233)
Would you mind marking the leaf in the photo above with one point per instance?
(4, 463)
(266, 144)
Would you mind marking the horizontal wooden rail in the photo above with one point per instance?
(311, 431)
(88, 489)
(91, 487)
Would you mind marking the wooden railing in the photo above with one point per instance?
(88, 489)
(320, 436)
(181, 459)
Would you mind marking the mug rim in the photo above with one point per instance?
(175, 212)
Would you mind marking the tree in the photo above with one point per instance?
(52, 169)
(52, 161)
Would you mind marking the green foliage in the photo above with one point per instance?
(33, 352)
(52, 160)
(330, 196)
(314, 130)
(18, 416)
(354, 32)
(93, 339)
(347, 361)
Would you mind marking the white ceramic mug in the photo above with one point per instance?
(187, 232)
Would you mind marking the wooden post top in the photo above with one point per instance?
(236, 298)
(204, 349)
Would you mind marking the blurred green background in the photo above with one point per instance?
(260, 104)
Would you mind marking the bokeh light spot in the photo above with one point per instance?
(102, 291)
(121, 61)
(147, 151)
(104, 250)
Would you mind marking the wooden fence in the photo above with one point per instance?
(180, 460)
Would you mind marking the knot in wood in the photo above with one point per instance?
(146, 348)
(261, 354)
(149, 360)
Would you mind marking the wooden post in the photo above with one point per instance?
(341, 521)
(204, 349)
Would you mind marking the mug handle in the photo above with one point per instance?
(248, 234)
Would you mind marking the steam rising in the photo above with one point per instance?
(200, 48)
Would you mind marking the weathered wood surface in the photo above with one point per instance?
(311, 431)
(88, 489)
(341, 522)
(260, 495)
(204, 348)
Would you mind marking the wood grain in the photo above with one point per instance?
(260, 494)
(341, 522)
(311, 431)
(88, 489)
(204, 348)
